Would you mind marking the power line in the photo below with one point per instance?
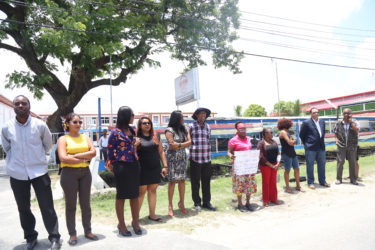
(299, 21)
(304, 29)
(202, 47)
(299, 34)
(319, 51)
(304, 39)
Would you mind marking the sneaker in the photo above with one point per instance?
(197, 208)
(338, 182)
(209, 207)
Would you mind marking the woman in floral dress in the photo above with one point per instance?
(178, 140)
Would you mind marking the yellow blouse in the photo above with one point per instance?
(75, 145)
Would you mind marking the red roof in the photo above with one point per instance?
(339, 101)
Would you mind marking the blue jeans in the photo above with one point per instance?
(320, 157)
(289, 162)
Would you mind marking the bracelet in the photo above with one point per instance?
(166, 167)
(179, 145)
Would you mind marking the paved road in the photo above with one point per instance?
(341, 217)
(11, 235)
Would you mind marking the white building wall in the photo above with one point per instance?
(6, 113)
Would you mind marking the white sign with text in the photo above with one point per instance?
(246, 162)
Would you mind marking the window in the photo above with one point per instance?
(114, 118)
(155, 120)
(105, 120)
(370, 106)
(91, 120)
(165, 119)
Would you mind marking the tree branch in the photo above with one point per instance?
(11, 48)
(7, 9)
(123, 75)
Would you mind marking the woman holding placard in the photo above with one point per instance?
(242, 184)
(269, 163)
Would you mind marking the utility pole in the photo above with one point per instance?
(277, 82)
(110, 83)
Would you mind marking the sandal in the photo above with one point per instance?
(300, 189)
(182, 208)
(72, 242)
(288, 190)
(158, 219)
(170, 212)
(91, 237)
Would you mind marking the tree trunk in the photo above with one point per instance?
(55, 121)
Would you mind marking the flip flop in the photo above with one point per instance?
(300, 189)
(157, 219)
(288, 190)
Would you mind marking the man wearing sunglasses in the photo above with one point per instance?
(346, 135)
(26, 140)
(312, 136)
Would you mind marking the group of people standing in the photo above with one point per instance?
(312, 135)
(135, 160)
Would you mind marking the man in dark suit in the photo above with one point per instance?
(312, 136)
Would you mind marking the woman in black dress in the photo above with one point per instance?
(150, 151)
(123, 163)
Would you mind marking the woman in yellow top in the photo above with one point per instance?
(75, 152)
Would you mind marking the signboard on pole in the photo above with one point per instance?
(187, 87)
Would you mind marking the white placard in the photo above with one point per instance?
(187, 87)
(246, 162)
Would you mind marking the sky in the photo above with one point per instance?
(337, 39)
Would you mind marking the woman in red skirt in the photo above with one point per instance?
(269, 164)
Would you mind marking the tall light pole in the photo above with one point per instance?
(277, 83)
(110, 83)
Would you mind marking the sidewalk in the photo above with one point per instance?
(12, 234)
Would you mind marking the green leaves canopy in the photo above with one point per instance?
(255, 110)
(84, 33)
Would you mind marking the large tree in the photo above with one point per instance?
(84, 34)
(255, 110)
(288, 108)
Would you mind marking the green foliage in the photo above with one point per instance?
(84, 34)
(288, 108)
(34, 83)
(255, 110)
(237, 110)
(297, 108)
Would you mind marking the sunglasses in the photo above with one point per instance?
(146, 123)
(77, 122)
(347, 113)
(315, 112)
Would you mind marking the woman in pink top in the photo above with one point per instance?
(241, 183)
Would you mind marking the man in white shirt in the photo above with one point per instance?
(312, 136)
(103, 145)
(26, 140)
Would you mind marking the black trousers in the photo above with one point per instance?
(200, 172)
(103, 153)
(43, 191)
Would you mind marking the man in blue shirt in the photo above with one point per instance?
(26, 140)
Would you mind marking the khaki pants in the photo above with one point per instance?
(342, 155)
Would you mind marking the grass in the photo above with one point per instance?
(334, 147)
(222, 197)
(103, 209)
